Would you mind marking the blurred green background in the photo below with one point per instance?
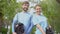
(50, 8)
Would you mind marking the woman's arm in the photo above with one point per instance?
(40, 28)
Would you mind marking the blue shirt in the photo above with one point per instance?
(25, 18)
(39, 19)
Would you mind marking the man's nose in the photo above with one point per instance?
(26, 6)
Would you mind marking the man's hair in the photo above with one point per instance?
(19, 29)
(25, 2)
(37, 5)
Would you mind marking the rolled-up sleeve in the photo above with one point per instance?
(45, 25)
(14, 21)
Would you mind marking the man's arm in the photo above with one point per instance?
(40, 28)
(14, 21)
(30, 26)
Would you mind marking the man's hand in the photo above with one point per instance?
(14, 33)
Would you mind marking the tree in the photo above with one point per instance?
(1, 20)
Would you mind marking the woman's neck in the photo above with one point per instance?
(37, 13)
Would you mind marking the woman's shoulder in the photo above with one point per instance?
(44, 17)
(34, 15)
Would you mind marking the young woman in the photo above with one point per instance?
(39, 20)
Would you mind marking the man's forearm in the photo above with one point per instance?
(14, 33)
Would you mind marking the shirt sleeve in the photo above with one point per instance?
(14, 21)
(31, 26)
(35, 21)
(45, 24)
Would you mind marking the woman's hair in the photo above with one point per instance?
(19, 28)
(37, 5)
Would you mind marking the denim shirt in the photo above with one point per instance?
(39, 19)
(25, 18)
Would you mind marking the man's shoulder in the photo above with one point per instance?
(19, 13)
(29, 14)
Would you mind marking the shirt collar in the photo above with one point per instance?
(25, 12)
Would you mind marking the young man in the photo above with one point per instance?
(23, 17)
(39, 21)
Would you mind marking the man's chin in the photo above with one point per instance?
(25, 10)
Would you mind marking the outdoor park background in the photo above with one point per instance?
(8, 9)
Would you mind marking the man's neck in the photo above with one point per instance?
(25, 11)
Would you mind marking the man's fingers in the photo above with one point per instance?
(14, 33)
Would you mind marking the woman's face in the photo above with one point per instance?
(38, 9)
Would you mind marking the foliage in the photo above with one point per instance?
(10, 30)
(4, 30)
(51, 10)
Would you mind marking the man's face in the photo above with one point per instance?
(25, 7)
(38, 9)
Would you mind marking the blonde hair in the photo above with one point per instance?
(37, 5)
